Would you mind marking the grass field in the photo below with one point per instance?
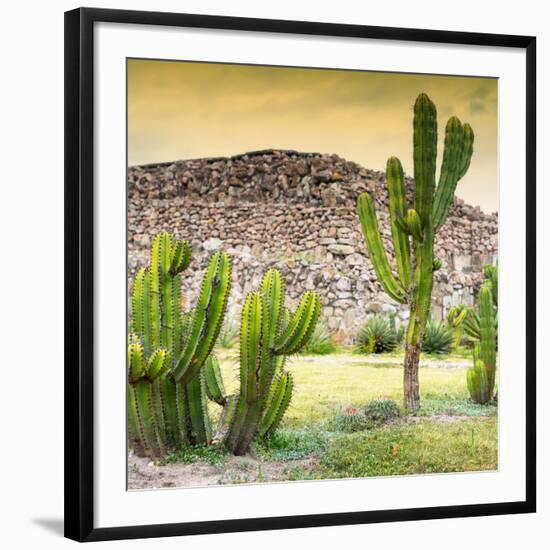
(448, 434)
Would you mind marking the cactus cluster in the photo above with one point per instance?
(168, 348)
(482, 327)
(268, 335)
(413, 230)
(171, 369)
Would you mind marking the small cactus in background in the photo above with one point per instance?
(413, 230)
(267, 336)
(482, 327)
(455, 321)
(168, 348)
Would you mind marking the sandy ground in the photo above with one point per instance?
(144, 474)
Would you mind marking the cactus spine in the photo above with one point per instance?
(266, 338)
(413, 230)
(167, 387)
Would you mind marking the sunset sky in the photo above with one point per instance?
(180, 110)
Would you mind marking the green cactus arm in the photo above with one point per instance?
(467, 150)
(477, 379)
(395, 180)
(491, 276)
(253, 349)
(215, 389)
(450, 170)
(147, 417)
(377, 254)
(280, 400)
(276, 395)
(487, 341)
(273, 289)
(142, 309)
(135, 362)
(201, 431)
(207, 318)
(181, 257)
(424, 155)
(301, 326)
(423, 284)
(156, 364)
(411, 224)
(134, 432)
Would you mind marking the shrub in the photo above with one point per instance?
(376, 336)
(379, 411)
(350, 420)
(438, 338)
(355, 419)
(321, 341)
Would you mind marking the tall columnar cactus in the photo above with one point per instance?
(267, 336)
(170, 400)
(481, 378)
(413, 230)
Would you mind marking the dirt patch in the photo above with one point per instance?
(144, 474)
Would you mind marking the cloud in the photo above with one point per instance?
(477, 106)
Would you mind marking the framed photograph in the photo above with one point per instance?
(300, 274)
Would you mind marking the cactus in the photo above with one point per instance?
(481, 378)
(267, 336)
(172, 404)
(413, 230)
(455, 322)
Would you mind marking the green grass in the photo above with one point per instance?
(292, 444)
(419, 448)
(449, 433)
(324, 383)
(215, 455)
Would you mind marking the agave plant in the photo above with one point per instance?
(438, 338)
(320, 342)
(377, 335)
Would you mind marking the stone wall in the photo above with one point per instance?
(296, 211)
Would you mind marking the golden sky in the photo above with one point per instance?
(180, 110)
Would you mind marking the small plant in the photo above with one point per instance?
(215, 455)
(320, 342)
(376, 336)
(350, 420)
(379, 411)
(438, 338)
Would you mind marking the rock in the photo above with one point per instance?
(295, 212)
(211, 245)
(341, 249)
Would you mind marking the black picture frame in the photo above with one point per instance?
(79, 273)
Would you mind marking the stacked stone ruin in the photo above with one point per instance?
(296, 211)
